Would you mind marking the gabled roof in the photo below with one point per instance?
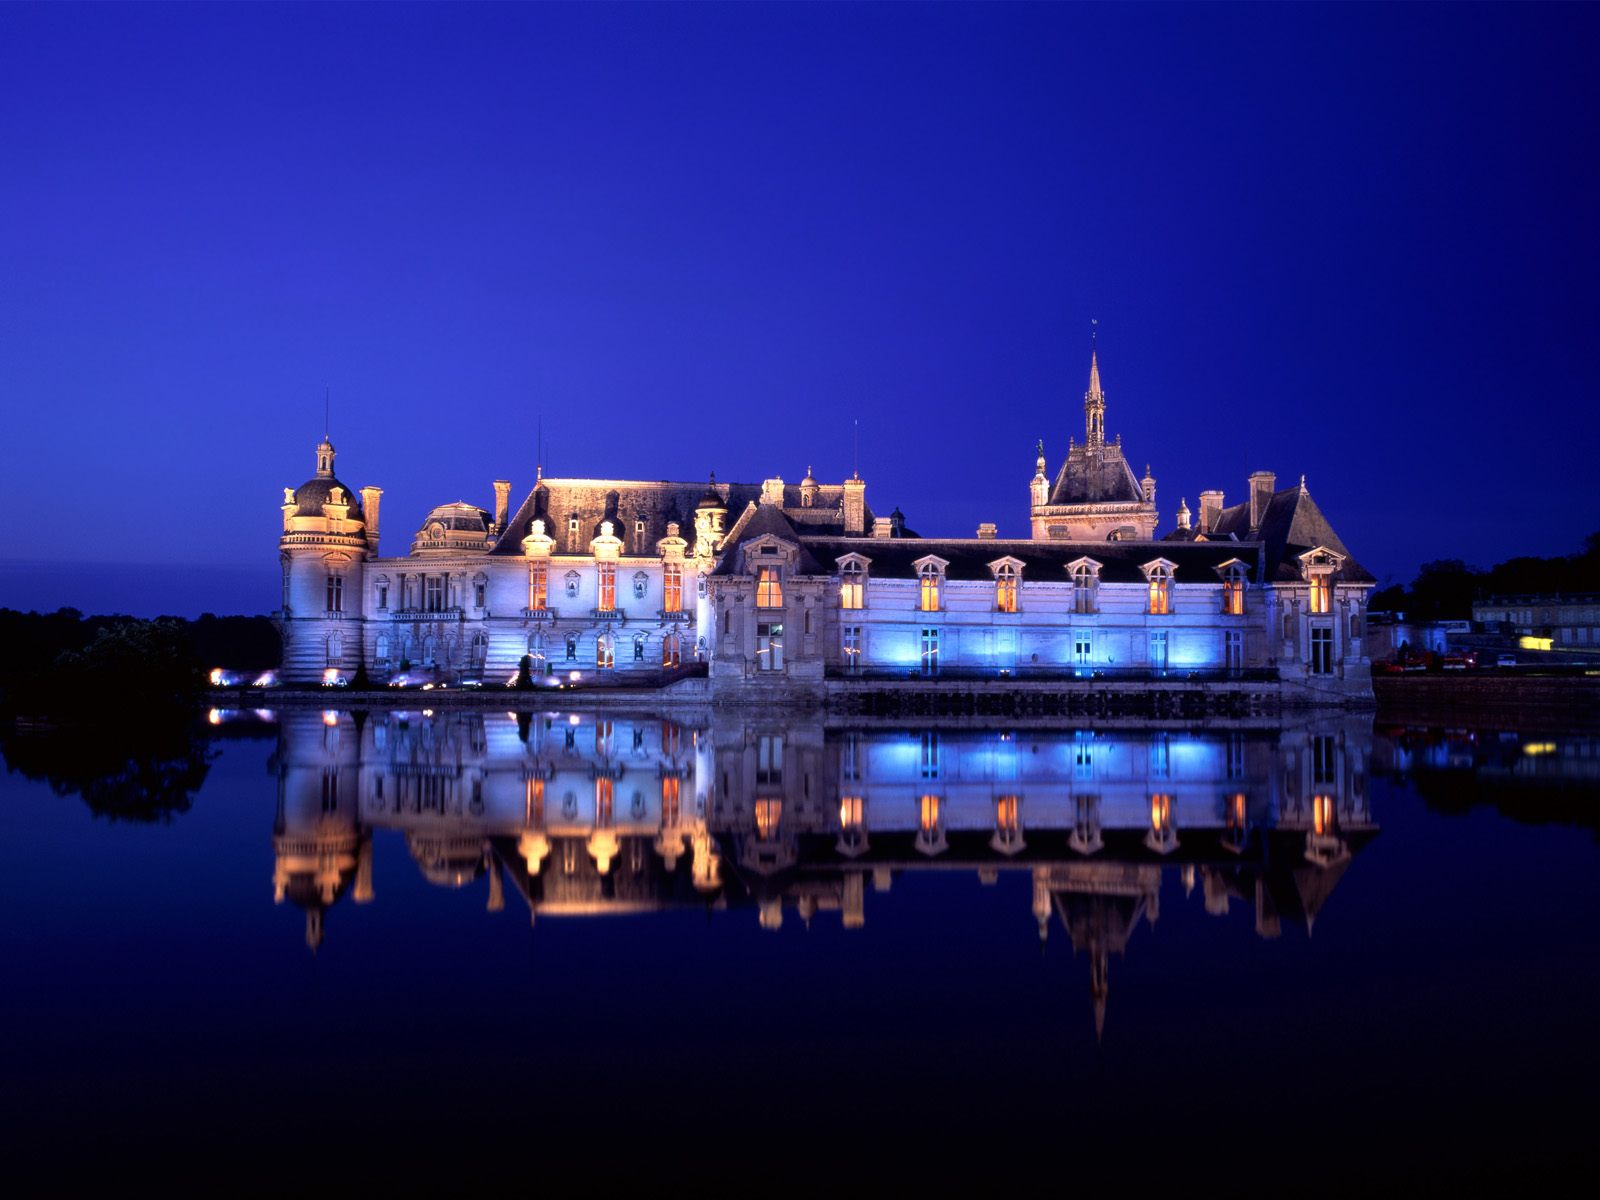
(1291, 525)
(765, 520)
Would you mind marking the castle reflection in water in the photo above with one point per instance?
(585, 814)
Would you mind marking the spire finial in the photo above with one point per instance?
(1094, 400)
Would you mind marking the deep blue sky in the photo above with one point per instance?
(1354, 242)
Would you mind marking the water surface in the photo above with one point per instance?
(470, 949)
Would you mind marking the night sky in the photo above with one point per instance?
(1357, 243)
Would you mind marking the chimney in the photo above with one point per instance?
(1262, 485)
(1210, 510)
(855, 506)
(502, 503)
(882, 527)
(987, 531)
(370, 499)
(772, 492)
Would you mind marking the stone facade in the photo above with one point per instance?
(777, 588)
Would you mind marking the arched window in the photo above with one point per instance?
(1005, 589)
(931, 581)
(671, 651)
(852, 586)
(380, 648)
(479, 648)
(638, 647)
(572, 647)
(430, 647)
(335, 649)
(1160, 578)
(605, 654)
(1233, 591)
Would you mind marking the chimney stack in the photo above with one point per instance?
(987, 531)
(1210, 510)
(502, 503)
(1262, 485)
(855, 506)
(772, 492)
(371, 497)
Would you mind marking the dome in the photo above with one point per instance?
(456, 526)
(712, 498)
(311, 495)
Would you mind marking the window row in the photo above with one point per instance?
(606, 586)
(1008, 577)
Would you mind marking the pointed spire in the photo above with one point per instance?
(1094, 400)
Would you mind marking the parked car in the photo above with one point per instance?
(1506, 660)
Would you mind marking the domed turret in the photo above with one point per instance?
(455, 528)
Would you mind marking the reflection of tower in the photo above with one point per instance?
(1101, 904)
(320, 849)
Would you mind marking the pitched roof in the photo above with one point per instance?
(1291, 525)
(763, 519)
(1096, 476)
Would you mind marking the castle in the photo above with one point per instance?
(803, 589)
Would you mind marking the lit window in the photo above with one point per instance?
(608, 586)
(928, 815)
(1160, 813)
(769, 589)
(671, 651)
(1008, 820)
(929, 592)
(1321, 593)
(852, 585)
(1005, 589)
(604, 799)
(538, 586)
(769, 811)
(1160, 591)
(672, 587)
(1233, 591)
(335, 592)
(671, 800)
(930, 651)
(1321, 814)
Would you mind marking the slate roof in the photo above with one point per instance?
(626, 502)
(1100, 476)
(969, 558)
(760, 519)
(313, 494)
(1291, 525)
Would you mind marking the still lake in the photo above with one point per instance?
(459, 948)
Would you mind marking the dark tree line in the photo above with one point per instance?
(1445, 589)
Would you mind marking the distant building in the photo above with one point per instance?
(1566, 621)
(776, 586)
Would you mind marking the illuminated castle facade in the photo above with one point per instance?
(802, 589)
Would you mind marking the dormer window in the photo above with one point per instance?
(1085, 586)
(1158, 575)
(1321, 592)
(930, 587)
(1006, 577)
(769, 586)
(1318, 567)
(1233, 581)
(852, 585)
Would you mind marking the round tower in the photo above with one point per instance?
(322, 551)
